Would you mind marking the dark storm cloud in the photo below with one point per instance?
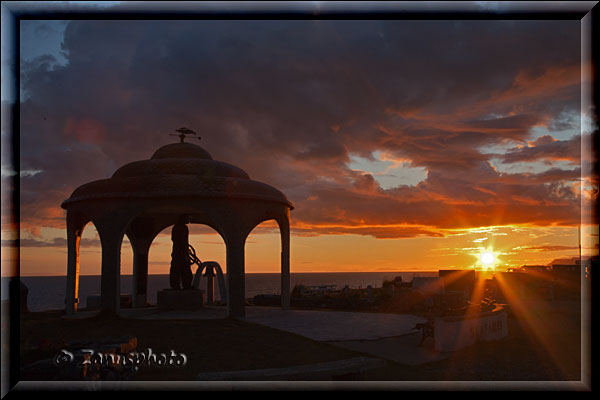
(546, 148)
(289, 101)
(512, 123)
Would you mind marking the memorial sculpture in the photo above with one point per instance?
(180, 275)
(183, 256)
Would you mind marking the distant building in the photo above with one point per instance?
(458, 280)
(428, 286)
(534, 268)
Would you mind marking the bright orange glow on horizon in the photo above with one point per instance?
(510, 247)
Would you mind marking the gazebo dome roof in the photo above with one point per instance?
(181, 150)
(175, 170)
(181, 159)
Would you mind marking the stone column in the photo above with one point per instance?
(71, 300)
(110, 282)
(235, 275)
(139, 280)
(284, 228)
(141, 232)
(139, 292)
(75, 224)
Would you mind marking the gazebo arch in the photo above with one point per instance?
(144, 197)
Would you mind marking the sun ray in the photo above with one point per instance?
(537, 328)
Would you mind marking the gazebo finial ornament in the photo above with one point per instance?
(183, 132)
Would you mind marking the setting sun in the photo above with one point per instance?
(487, 258)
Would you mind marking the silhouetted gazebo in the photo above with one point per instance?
(144, 197)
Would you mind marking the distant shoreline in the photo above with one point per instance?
(48, 291)
(272, 273)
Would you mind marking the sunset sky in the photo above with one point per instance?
(403, 144)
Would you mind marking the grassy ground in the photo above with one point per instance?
(543, 346)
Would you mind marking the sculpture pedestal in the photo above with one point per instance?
(169, 299)
(94, 301)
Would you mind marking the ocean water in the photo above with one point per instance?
(48, 292)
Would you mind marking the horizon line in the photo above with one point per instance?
(256, 273)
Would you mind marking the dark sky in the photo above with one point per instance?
(383, 128)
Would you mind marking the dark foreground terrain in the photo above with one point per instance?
(543, 345)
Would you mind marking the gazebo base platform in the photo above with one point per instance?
(170, 299)
(94, 302)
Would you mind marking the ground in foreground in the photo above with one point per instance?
(544, 349)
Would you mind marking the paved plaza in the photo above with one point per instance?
(388, 336)
(334, 325)
(313, 324)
